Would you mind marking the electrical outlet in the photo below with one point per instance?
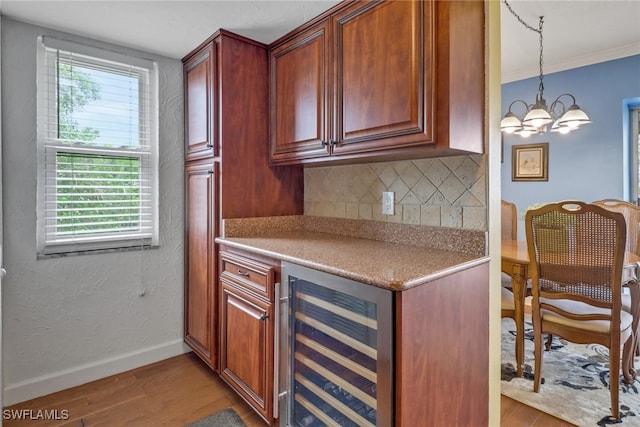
(388, 202)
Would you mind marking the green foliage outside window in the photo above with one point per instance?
(95, 193)
(76, 89)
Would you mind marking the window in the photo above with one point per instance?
(97, 149)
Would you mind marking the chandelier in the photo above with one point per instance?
(537, 116)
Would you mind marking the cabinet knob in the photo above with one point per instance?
(264, 316)
(324, 143)
(209, 145)
(210, 171)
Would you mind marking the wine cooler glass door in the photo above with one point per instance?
(340, 352)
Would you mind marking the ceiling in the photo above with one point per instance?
(576, 32)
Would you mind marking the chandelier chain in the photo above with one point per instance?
(541, 87)
(537, 30)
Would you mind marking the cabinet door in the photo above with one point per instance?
(200, 319)
(300, 80)
(383, 76)
(246, 359)
(199, 93)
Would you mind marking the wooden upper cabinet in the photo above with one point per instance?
(380, 80)
(199, 92)
(459, 56)
(383, 75)
(299, 77)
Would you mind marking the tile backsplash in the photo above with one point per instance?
(440, 192)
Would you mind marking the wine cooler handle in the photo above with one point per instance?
(276, 350)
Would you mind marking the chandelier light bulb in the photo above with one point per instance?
(537, 122)
(539, 115)
(560, 129)
(527, 131)
(574, 117)
(510, 123)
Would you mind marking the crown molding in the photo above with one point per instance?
(574, 62)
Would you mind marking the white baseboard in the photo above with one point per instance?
(51, 383)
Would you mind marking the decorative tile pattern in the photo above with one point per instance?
(440, 192)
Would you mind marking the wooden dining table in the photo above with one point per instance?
(515, 263)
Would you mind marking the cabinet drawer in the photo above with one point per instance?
(250, 274)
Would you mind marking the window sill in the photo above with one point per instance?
(95, 251)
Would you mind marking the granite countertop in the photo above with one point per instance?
(384, 264)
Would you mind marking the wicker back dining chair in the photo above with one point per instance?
(509, 231)
(577, 252)
(631, 214)
(509, 221)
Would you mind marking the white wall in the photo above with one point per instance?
(70, 320)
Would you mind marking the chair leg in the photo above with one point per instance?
(628, 351)
(537, 353)
(549, 342)
(519, 345)
(614, 383)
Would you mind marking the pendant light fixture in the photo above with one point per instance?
(537, 116)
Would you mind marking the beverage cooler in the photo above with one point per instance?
(336, 348)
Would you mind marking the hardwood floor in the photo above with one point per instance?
(172, 392)
(177, 391)
(514, 414)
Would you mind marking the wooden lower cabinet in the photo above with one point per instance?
(437, 336)
(247, 324)
(442, 351)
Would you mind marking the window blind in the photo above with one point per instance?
(97, 147)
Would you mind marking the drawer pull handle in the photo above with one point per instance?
(241, 273)
(264, 316)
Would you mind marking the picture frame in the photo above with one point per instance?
(530, 162)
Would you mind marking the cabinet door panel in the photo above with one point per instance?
(247, 347)
(299, 78)
(199, 80)
(200, 271)
(382, 74)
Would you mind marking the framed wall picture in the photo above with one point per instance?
(530, 162)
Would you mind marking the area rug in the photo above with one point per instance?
(225, 418)
(575, 381)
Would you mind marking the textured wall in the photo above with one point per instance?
(441, 192)
(66, 319)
